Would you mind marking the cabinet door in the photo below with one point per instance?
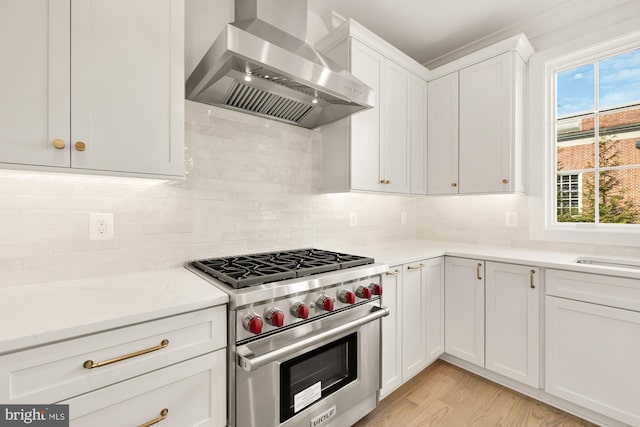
(34, 82)
(414, 324)
(592, 355)
(512, 321)
(442, 135)
(392, 331)
(127, 85)
(368, 66)
(434, 309)
(486, 123)
(395, 144)
(418, 135)
(464, 309)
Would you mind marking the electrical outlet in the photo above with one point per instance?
(100, 226)
(511, 219)
(403, 218)
(353, 219)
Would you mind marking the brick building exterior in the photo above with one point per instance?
(619, 146)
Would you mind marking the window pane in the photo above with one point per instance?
(575, 196)
(619, 197)
(619, 80)
(620, 137)
(576, 143)
(575, 89)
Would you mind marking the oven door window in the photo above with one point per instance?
(317, 374)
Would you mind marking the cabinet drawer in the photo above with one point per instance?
(55, 372)
(618, 292)
(193, 392)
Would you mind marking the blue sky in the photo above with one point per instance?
(619, 84)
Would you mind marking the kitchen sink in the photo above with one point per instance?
(610, 262)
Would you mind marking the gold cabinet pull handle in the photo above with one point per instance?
(80, 146)
(58, 143)
(454, 184)
(531, 273)
(505, 181)
(393, 273)
(478, 267)
(90, 364)
(416, 267)
(163, 415)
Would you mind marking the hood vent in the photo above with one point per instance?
(261, 65)
(247, 98)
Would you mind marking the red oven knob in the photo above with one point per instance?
(275, 317)
(253, 323)
(375, 289)
(300, 310)
(347, 297)
(363, 292)
(325, 303)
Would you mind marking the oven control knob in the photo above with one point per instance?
(363, 292)
(300, 310)
(375, 289)
(347, 297)
(325, 303)
(253, 323)
(275, 316)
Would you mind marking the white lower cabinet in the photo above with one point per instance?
(593, 356)
(464, 309)
(413, 333)
(191, 393)
(512, 333)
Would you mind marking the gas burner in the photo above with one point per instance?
(254, 269)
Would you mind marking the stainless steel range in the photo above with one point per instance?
(304, 336)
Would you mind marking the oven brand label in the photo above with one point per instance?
(307, 396)
(323, 417)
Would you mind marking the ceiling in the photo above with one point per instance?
(429, 29)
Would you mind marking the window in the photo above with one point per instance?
(597, 141)
(569, 197)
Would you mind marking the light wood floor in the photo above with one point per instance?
(445, 395)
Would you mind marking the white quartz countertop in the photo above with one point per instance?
(395, 253)
(49, 312)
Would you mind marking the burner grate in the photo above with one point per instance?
(249, 270)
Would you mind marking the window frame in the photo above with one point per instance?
(543, 67)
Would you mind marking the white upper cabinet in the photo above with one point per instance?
(442, 165)
(476, 121)
(98, 86)
(34, 82)
(382, 149)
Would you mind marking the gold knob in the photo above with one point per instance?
(58, 143)
(453, 184)
(505, 181)
(388, 182)
(382, 181)
(80, 146)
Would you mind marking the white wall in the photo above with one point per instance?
(252, 185)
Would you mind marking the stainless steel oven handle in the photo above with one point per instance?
(250, 362)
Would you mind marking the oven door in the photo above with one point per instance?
(324, 373)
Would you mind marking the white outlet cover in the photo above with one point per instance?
(101, 226)
(403, 218)
(353, 219)
(511, 219)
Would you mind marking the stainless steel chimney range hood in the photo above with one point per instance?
(261, 65)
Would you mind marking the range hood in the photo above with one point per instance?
(260, 64)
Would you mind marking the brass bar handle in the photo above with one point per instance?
(478, 267)
(90, 364)
(417, 267)
(531, 274)
(393, 273)
(385, 181)
(163, 415)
